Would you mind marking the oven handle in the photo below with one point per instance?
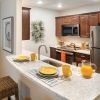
(68, 53)
(58, 51)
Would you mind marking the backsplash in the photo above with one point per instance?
(73, 39)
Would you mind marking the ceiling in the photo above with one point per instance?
(67, 4)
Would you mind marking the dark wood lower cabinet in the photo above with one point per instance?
(53, 52)
(79, 57)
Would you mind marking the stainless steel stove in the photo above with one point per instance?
(65, 48)
(69, 54)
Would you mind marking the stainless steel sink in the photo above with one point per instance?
(51, 62)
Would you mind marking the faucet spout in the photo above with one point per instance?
(39, 50)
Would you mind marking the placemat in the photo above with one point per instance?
(51, 81)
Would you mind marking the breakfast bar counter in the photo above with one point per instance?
(74, 88)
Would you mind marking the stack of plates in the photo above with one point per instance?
(21, 59)
(47, 71)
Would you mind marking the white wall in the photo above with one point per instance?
(6, 11)
(48, 18)
(10, 8)
(80, 10)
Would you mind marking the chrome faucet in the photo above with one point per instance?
(39, 50)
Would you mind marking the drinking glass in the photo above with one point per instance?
(66, 70)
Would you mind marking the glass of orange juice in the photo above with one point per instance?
(33, 56)
(66, 70)
(87, 69)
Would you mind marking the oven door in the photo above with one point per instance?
(69, 56)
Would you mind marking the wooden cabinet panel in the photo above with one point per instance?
(75, 20)
(79, 57)
(99, 18)
(85, 21)
(67, 20)
(53, 52)
(71, 20)
(93, 19)
(84, 26)
(25, 23)
(59, 22)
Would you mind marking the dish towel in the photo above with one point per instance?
(63, 56)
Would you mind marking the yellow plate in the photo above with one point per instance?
(48, 70)
(21, 58)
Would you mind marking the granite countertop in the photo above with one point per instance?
(74, 88)
(85, 51)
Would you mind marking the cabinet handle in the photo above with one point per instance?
(82, 56)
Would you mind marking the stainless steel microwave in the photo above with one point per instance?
(70, 30)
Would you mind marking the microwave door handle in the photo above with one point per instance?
(72, 30)
(92, 38)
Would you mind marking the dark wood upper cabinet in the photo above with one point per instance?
(84, 20)
(25, 23)
(84, 26)
(59, 22)
(71, 19)
(67, 20)
(75, 19)
(93, 19)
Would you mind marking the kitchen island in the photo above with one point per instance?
(74, 88)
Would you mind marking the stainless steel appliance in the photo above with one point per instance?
(95, 46)
(69, 56)
(70, 30)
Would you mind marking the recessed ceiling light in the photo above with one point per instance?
(40, 2)
(95, 0)
(60, 5)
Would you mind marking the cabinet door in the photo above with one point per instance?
(59, 22)
(75, 19)
(53, 52)
(71, 20)
(79, 57)
(25, 23)
(93, 19)
(67, 20)
(84, 26)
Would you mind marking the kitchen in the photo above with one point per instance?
(77, 46)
